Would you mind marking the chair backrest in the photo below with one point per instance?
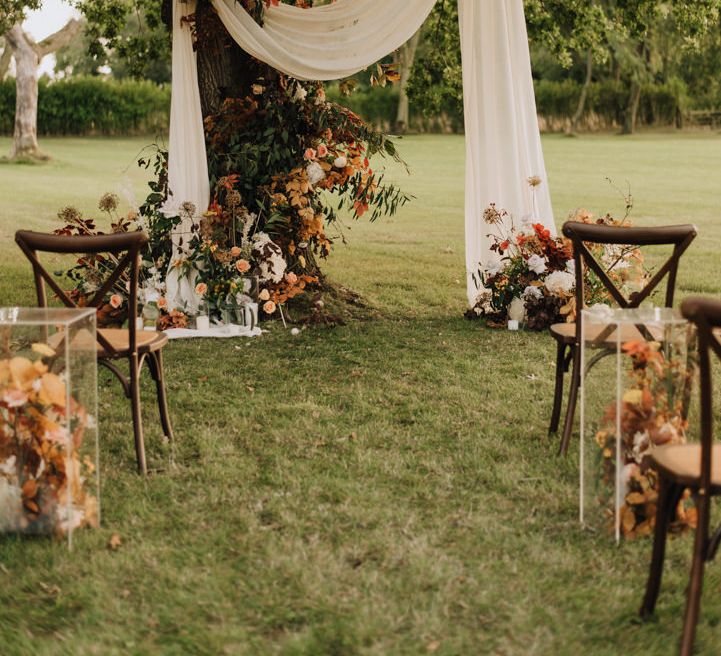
(124, 251)
(705, 313)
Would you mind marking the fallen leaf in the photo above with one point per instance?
(115, 542)
(433, 645)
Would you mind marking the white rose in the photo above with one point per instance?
(300, 94)
(537, 264)
(315, 173)
(532, 292)
(340, 162)
(494, 268)
(517, 310)
(559, 281)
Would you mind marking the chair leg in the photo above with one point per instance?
(558, 391)
(693, 601)
(155, 363)
(668, 498)
(137, 416)
(571, 406)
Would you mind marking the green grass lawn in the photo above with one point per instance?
(386, 487)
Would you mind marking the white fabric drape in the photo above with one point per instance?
(503, 141)
(503, 146)
(187, 162)
(327, 42)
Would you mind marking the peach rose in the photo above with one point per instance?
(15, 398)
(162, 302)
(264, 295)
(322, 150)
(235, 251)
(243, 266)
(201, 288)
(116, 300)
(310, 153)
(269, 307)
(291, 278)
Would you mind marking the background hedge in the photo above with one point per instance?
(91, 105)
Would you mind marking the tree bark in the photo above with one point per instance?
(406, 58)
(28, 54)
(5, 58)
(584, 94)
(629, 121)
(225, 70)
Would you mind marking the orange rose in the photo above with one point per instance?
(116, 300)
(322, 150)
(264, 295)
(243, 266)
(201, 288)
(162, 302)
(235, 251)
(269, 307)
(291, 278)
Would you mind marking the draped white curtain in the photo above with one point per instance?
(503, 142)
(337, 40)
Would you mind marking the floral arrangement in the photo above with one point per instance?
(652, 414)
(40, 469)
(532, 279)
(284, 163)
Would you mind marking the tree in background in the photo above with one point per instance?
(624, 33)
(28, 54)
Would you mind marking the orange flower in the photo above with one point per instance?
(162, 302)
(291, 278)
(235, 251)
(322, 150)
(201, 288)
(116, 300)
(264, 295)
(310, 154)
(269, 307)
(243, 266)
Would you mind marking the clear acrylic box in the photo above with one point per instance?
(638, 367)
(49, 476)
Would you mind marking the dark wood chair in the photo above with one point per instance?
(135, 346)
(568, 335)
(693, 466)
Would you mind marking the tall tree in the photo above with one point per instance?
(406, 59)
(28, 55)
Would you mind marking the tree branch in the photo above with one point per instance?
(61, 38)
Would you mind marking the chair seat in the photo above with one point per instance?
(119, 338)
(566, 332)
(682, 463)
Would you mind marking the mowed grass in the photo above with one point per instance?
(385, 487)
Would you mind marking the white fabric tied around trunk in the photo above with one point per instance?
(503, 142)
(503, 146)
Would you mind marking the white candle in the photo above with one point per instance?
(139, 325)
(512, 324)
(202, 322)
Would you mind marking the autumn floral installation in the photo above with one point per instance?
(44, 482)
(280, 185)
(532, 279)
(653, 413)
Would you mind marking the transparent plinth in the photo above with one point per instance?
(49, 475)
(638, 369)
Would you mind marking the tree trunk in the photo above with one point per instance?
(225, 70)
(27, 54)
(27, 60)
(629, 121)
(584, 94)
(406, 59)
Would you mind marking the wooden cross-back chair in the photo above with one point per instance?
(568, 335)
(690, 466)
(135, 346)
